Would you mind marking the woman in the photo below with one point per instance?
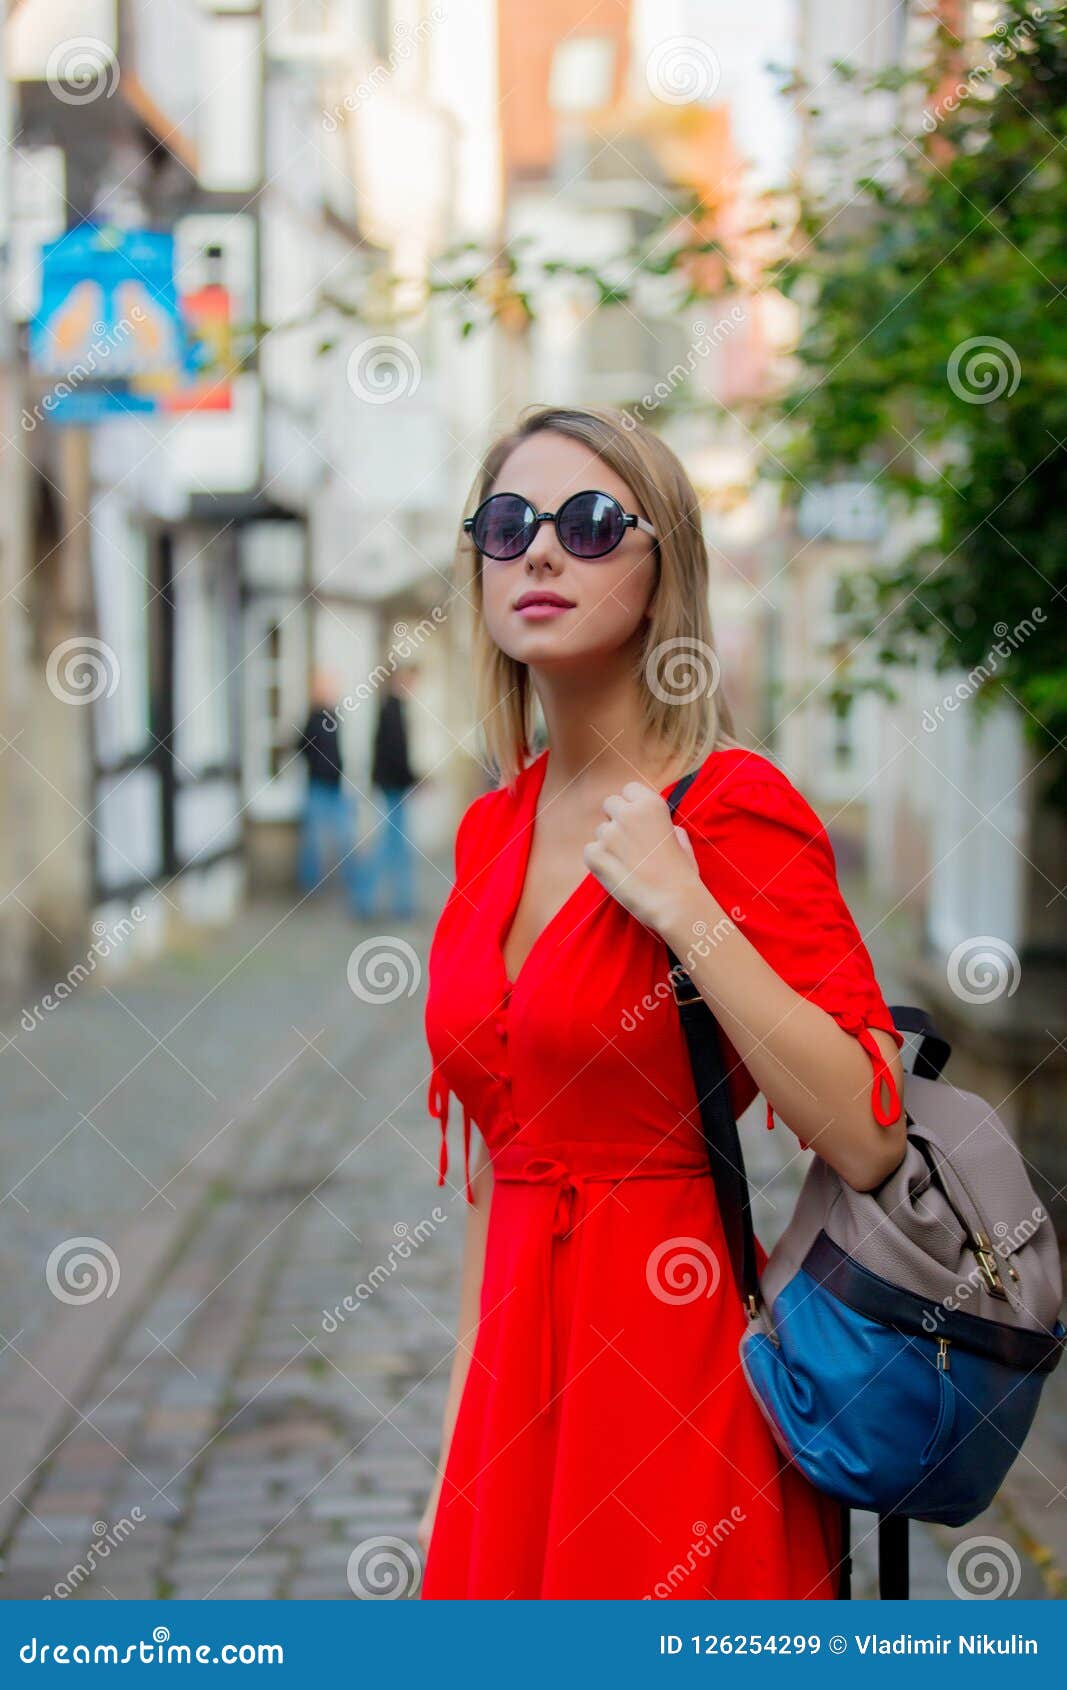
(599, 1439)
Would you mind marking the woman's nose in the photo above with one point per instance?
(544, 547)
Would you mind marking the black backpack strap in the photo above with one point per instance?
(716, 1114)
(735, 1209)
(934, 1049)
(893, 1572)
(844, 1564)
(680, 787)
(732, 1194)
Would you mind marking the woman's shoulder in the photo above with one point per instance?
(732, 769)
(477, 818)
(735, 782)
(495, 801)
(490, 813)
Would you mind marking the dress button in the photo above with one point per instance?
(501, 1027)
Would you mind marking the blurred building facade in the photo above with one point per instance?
(612, 116)
(312, 162)
(205, 565)
(131, 779)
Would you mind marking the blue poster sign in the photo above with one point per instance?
(108, 333)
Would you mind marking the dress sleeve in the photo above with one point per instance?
(766, 856)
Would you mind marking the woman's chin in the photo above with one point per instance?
(553, 654)
(551, 647)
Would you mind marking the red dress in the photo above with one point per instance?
(607, 1445)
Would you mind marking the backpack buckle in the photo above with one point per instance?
(679, 979)
(987, 1266)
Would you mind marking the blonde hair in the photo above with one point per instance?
(678, 644)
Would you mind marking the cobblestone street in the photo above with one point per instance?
(250, 1140)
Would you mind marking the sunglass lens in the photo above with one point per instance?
(503, 526)
(591, 524)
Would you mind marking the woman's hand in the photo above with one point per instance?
(641, 857)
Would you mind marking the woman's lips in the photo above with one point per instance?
(540, 610)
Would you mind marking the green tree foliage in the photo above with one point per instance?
(933, 363)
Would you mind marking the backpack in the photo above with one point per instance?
(898, 1339)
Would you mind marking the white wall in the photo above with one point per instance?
(744, 41)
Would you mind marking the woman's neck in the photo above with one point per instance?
(595, 729)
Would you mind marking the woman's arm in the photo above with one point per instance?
(467, 1324)
(814, 1074)
(765, 847)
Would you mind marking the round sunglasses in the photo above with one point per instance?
(588, 525)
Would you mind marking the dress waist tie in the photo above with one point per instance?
(567, 1213)
(541, 1170)
(437, 1101)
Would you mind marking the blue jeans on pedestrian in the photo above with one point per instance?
(328, 823)
(392, 859)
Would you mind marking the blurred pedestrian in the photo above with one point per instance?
(393, 858)
(328, 818)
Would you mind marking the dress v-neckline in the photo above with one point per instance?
(524, 851)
